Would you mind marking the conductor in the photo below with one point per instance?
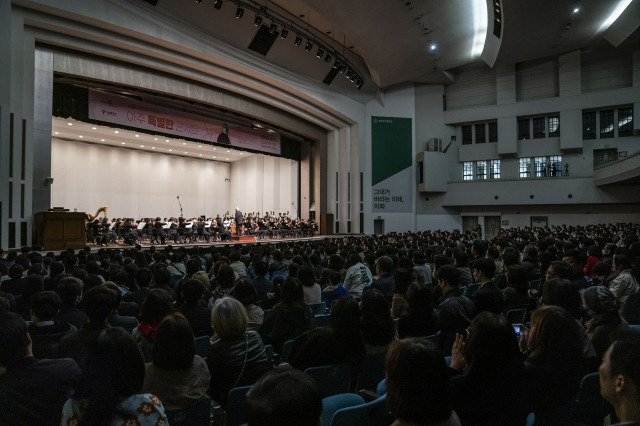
(238, 218)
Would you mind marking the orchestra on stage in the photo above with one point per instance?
(178, 230)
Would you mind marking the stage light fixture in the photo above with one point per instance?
(354, 77)
(320, 53)
(328, 58)
(257, 21)
(272, 28)
(298, 40)
(284, 33)
(359, 84)
(239, 12)
(308, 46)
(217, 4)
(342, 69)
(350, 73)
(337, 64)
(198, 1)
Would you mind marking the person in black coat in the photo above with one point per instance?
(488, 297)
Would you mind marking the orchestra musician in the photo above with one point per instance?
(222, 229)
(238, 218)
(158, 236)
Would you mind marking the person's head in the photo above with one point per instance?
(15, 343)
(483, 269)
(418, 389)
(378, 328)
(225, 277)
(344, 320)
(99, 302)
(448, 277)
(491, 345)
(16, 271)
(284, 398)
(517, 278)
(114, 371)
(562, 293)
(225, 130)
(144, 276)
(575, 259)
(192, 291)
(292, 292)
(420, 299)
(156, 306)
(229, 318)
(558, 269)
(70, 290)
(245, 291)
(555, 337)
(260, 268)
(620, 378)
(306, 276)
(203, 278)
(601, 269)
(384, 265)
(174, 346)
(509, 258)
(44, 305)
(621, 262)
(193, 266)
(402, 280)
(161, 276)
(598, 300)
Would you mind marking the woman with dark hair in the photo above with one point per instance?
(156, 306)
(236, 355)
(225, 278)
(418, 389)
(402, 281)
(311, 289)
(340, 342)
(289, 318)
(605, 325)
(177, 375)
(378, 328)
(563, 293)
(491, 374)
(594, 256)
(516, 294)
(246, 293)
(555, 358)
(110, 388)
(421, 319)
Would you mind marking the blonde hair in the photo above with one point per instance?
(203, 278)
(229, 318)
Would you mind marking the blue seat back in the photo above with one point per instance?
(372, 413)
(318, 308)
(322, 320)
(197, 415)
(202, 346)
(331, 379)
(236, 406)
(371, 372)
(333, 403)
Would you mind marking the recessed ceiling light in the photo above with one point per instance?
(228, 151)
(184, 143)
(56, 133)
(93, 128)
(155, 139)
(200, 155)
(80, 136)
(170, 150)
(69, 124)
(576, 10)
(199, 146)
(137, 136)
(241, 153)
(123, 143)
(226, 159)
(153, 147)
(116, 132)
(166, 140)
(141, 146)
(214, 148)
(101, 140)
(185, 152)
(214, 156)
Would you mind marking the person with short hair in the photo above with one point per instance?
(455, 311)
(624, 284)
(177, 375)
(620, 381)
(246, 293)
(418, 388)
(32, 391)
(44, 331)
(157, 306)
(70, 290)
(488, 297)
(236, 355)
(195, 309)
(284, 398)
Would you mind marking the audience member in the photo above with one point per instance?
(311, 290)
(70, 291)
(44, 331)
(624, 284)
(245, 292)
(378, 328)
(455, 311)
(620, 381)
(488, 297)
(605, 324)
(156, 306)
(421, 318)
(195, 309)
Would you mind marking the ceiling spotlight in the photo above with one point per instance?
(272, 28)
(284, 33)
(350, 73)
(298, 40)
(217, 4)
(328, 58)
(198, 1)
(239, 12)
(320, 53)
(359, 84)
(342, 69)
(354, 77)
(257, 21)
(308, 46)
(336, 64)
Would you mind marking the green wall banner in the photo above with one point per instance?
(391, 158)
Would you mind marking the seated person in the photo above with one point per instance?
(110, 388)
(236, 356)
(194, 308)
(157, 306)
(284, 398)
(44, 331)
(32, 391)
(177, 375)
(418, 389)
(70, 291)
(620, 380)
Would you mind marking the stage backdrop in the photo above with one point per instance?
(137, 184)
(391, 156)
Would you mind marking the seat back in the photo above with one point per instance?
(333, 403)
(286, 350)
(318, 308)
(235, 414)
(516, 316)
(434, 338)
(198, 414)
(322, 320)
(202, 346)
(331, 379)
(372, 413)
(591, 407)
(371, 372)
